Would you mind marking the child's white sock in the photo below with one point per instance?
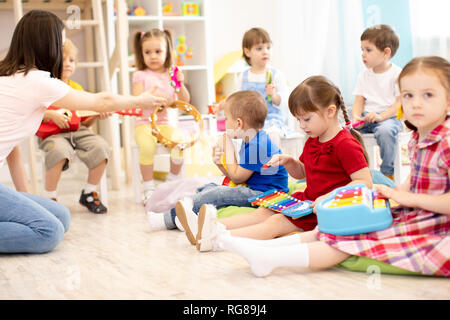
(89, 188)
(156, 220)
(149, 185)
(171, 176)
(49, 194)
(263, 259)
(281, 241)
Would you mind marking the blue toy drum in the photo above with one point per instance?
(352, 210)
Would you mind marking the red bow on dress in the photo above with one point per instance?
(317, 150)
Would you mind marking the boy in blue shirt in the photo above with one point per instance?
(245, 113)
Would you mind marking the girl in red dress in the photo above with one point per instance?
(332, 157)
(418, 239)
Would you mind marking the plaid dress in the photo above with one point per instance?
(418, 240)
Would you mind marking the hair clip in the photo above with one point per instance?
(348, 126)
(143, 34)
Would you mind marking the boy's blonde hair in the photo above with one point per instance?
(140, 37)
(250, 106)
(382, 36)
(438, 65)
(252, 37)
(69, 47)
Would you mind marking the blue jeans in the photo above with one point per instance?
(385, 133)
(30, 223)
(217, 195)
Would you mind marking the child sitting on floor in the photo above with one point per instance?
(418, 240)
(245, 114)
(332, 157)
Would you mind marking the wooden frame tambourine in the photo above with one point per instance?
(185, 107)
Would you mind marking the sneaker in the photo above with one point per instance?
(179, 225)
(207, 227)
(187, 218)
(92, 202)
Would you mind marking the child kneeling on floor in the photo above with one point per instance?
(245, 113)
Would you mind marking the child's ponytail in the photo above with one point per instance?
(348, 124)
(169, 41)
(138, 57)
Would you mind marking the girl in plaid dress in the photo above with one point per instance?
(418, 239)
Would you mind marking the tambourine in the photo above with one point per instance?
(185, 107)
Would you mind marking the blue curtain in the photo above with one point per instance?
(397, 15)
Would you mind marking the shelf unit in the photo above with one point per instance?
(198, 71)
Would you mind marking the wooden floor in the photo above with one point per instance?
(117, 256)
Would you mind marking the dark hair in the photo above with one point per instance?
(140, 37)
(248, 105)
(382, 36)
(438, 65)
(316, 93)
(36, 43)
(252, 37)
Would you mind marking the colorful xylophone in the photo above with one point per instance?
(280, 201)
(352, 210)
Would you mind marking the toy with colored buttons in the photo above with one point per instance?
(280, 201)
(353, 209)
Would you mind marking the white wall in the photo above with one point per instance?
(231, 18)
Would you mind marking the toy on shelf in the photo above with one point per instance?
(280, 201)
(182, 51)
(139, 11)
(167, 9)
(352, 210)
(173, 78)
(190, 8)
(135, 9)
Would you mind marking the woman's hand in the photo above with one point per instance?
(404, 198)
(149, 100)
